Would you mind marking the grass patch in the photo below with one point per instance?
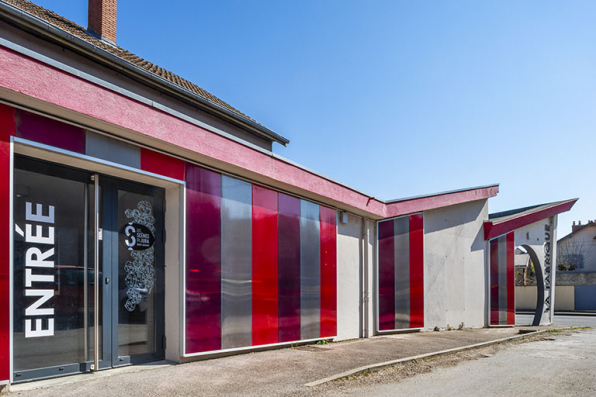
(558, 331)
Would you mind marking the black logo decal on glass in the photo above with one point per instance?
(137, 237)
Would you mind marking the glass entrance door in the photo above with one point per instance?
(135, 234)
(56, 247)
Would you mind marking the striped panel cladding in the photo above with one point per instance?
(401, 273)
(49, 132)
(61, 135)
(260, 265)
(502, 280)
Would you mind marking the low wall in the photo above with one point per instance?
(525, 298)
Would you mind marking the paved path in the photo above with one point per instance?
(275, 372)
(560, 366)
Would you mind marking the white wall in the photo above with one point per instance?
(454, 278)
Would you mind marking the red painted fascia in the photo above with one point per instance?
(7, 129)
(49, 84)
(439, 200)
(495, 229)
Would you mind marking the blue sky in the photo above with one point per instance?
(397, 98)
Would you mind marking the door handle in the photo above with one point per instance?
(107, 280)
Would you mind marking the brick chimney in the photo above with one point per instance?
(574, 227)
(102, 19)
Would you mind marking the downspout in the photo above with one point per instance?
(365, 291)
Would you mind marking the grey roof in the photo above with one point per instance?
(579, 229)
(507, 215)
(439, 193)
(30, 10)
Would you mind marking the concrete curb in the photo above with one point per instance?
(377, 366)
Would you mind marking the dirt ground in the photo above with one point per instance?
(400, 372)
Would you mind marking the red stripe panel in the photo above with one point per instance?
(203, 260)
(50, 132)
(386, 276)
(265, 306)
(328, 229)
(416, 271)
(162, 164)
(494, 282)
(7, 128)
(511, 278)
(289, 268)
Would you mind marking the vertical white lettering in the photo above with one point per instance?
(37, 278)
(38, 237)
(38, 331)
(35, 258)
(38, 216)
(34, 310)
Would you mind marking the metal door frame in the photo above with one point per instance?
(108, 187)
(110, 237)
(60, 171)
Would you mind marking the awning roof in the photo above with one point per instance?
(504, 222)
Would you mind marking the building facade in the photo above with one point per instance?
(142, 218)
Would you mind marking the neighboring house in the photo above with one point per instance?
(576, 265)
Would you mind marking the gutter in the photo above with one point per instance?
(399, 200)
(46, 29)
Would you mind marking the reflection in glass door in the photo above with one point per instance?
(54, 271)
(136, 229)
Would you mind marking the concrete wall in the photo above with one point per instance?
(565, 297)
(454, 278)
(525, 298)
(576, 278)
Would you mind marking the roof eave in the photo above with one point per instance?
(494, 229)
(48, 30)
(405, 206)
